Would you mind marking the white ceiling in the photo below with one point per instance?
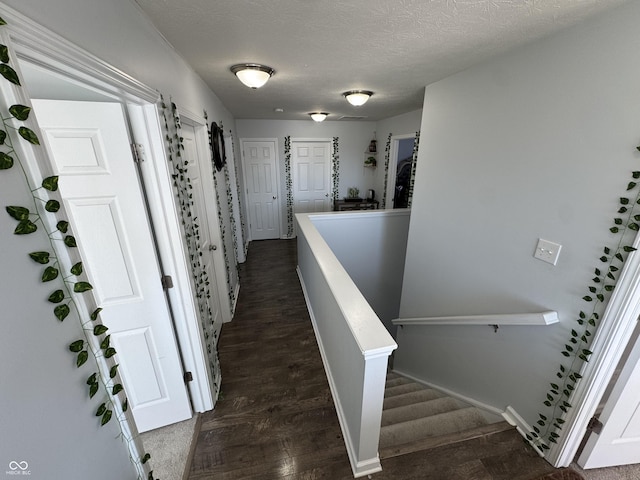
(321, 48)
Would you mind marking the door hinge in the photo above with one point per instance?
(595, 425)
(188, 377)
(136, 151)
(167, 282)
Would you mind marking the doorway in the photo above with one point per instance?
(310, 166)
(399, 170)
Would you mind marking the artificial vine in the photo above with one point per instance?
(66, 285)
(414, 165)
(288, 185)
(576, 349)
(387, 154)
(335, 171)
(183, 189)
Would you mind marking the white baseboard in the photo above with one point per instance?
(523, 428)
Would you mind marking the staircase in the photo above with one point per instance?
(417, 418)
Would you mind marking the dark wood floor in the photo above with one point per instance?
(275, 418)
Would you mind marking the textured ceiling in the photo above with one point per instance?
(321, 48)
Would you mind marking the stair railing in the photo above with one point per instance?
(354, 346)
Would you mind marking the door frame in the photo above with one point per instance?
(393, 166)
(244, 180)
(36, 45)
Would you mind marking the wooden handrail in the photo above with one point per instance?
(540, 318)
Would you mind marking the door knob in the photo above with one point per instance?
(213, 247)
(326, 194)
(274, 197)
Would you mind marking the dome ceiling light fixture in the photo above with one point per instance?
(357, 97)
(318, 116)
(253, 75)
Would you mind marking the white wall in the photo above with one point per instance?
(354, 138)
(371, 246)
(44, 399)
(537, 143)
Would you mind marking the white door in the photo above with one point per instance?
(261, 182)
(310, 162)
(208, 240)
(89, 146)
(619, 441)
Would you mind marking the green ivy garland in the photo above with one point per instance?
(387, 155)
(46, 197)
(335, 175)
(288, 185)
(576, 349)
(183, 189)
(414, 164)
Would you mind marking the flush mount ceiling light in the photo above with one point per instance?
(318, 116)
(357, 97)
(253, 75)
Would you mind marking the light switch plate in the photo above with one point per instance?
(547, 251)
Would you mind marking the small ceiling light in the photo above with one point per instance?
(252, 75)
(318, 116)
(357, 97)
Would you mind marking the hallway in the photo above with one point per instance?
(275, 418)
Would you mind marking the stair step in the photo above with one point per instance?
(441, 440)
(416, 396)
(440, 424)
(415, 411)
(402, 389)
(394, 382)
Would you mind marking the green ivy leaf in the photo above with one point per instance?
(25, 227)
(146, 458)
(62, 311)
(125, 405)
(101, 409)
(619, 257)
(604, 259)
(40, 257)
(4, 51)
(50, 273)
(617, 221)
(29, 135)
(110, 352)
(76, 269)
(50, 183)
(631, 185)
(80, 287)
(83, 356)
(117, 388)
(636, 175)
(56, 297)
(9, 73)
(3, 137)
(629, 249)
(622, 210)
(113, 371)
(52, 206)
(6, 162)
(614, 229)
(105, 343)
(63, 226)
(93, 378)
(76, 347)
(634, 226)
(93, 389)
(99, 330)
(94, 315)
(70, 241)
(106, 417)
(18, 213)
(624, 201)
(592, 289)
(587, 298)
(21, 112)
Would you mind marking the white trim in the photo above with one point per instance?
(523, 428)
(611, 338)
(244, 182)
(541, 318)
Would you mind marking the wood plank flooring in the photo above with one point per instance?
(276, 419)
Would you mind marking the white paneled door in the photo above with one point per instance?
(89, 146)
(261, 182)
(619, 441)
(310, 162)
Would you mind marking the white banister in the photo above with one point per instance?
(540, 318)
(354, 346)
